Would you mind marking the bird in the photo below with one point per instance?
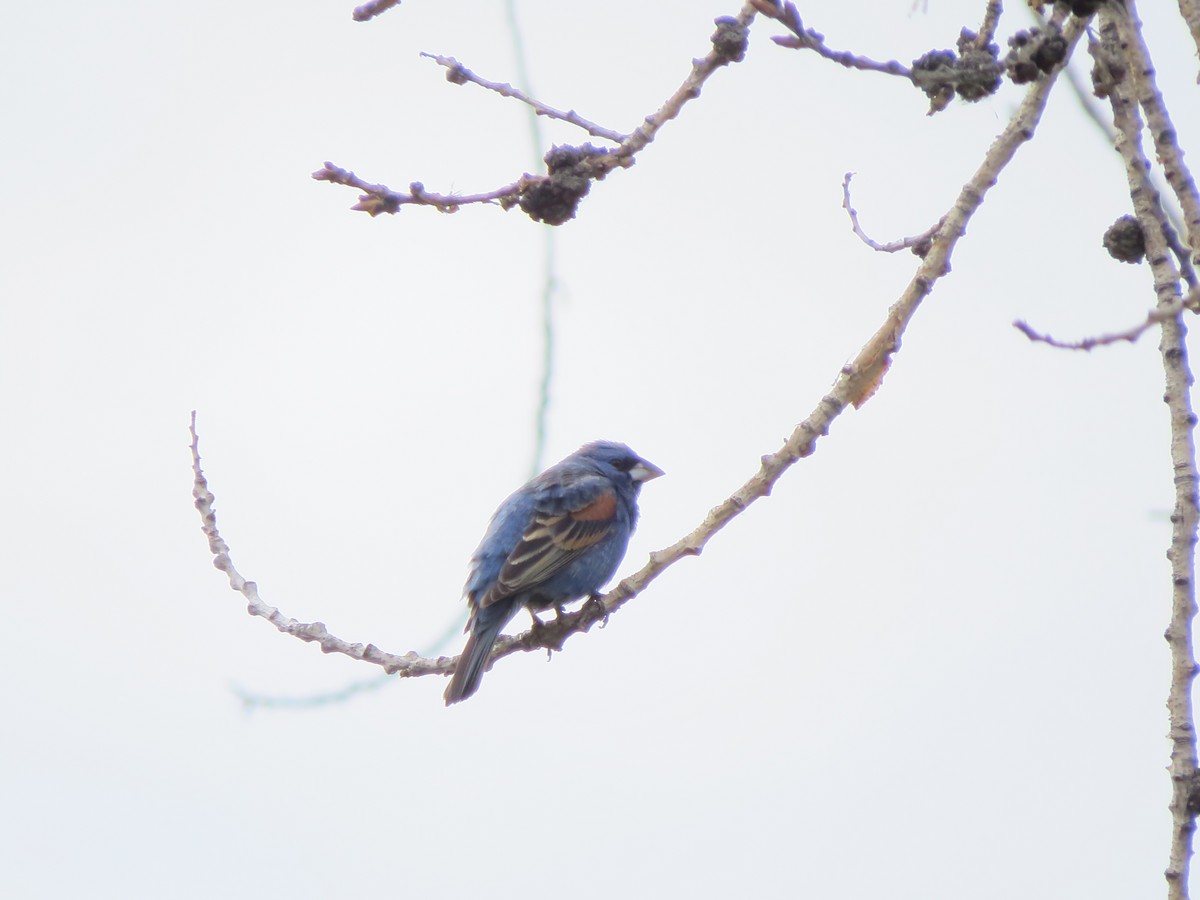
(558, 538)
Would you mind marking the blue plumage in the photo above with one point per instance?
(557, 539)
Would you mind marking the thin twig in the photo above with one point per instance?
(702, 69)
(1117, 40)
(1154, 317)
(972, 74)
(315, 632)
(370, 10)
(378, 198)
(854, 385)
(460, 74)
(802, 38)
(991, 18)
(919, 243)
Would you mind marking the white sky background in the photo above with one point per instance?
(930, 665)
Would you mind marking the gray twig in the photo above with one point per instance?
(370, 10)
(918, 243)
(728, 46)
(460, 74)
(379, 198)
(802, 38)
(1155, 317)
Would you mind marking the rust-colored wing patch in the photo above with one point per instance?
(550, 543)
(601, 509)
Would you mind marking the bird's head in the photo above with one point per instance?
(611, 455)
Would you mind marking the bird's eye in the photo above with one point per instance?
(624, 464)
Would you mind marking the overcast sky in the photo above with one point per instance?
(929, 665)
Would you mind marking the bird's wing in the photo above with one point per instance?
(562, 528)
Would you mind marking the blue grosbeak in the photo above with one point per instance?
(557, 539)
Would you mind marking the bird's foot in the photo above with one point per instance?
(543, 635)
(536, 627)
(597, 603)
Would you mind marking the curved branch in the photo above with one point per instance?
(315, 632)
(1156, 316)
(854, 385)
(918, 243)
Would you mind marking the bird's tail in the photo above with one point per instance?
(485, 628)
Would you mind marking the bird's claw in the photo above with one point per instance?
(537, 627)
(539, 630)
(597, 603)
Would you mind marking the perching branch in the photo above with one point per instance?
(854, 385)
(1120, 38)
(553, 198)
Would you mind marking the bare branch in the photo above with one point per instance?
(855, 384)
(1110, 69)
(1186, 270)
(973, 73)
(1154, 317)
(1120, 41)
(408, 664)
(726, 49)
(918, 243)
(991, 18)
(802, 38)
(1140, 71)
(379, 198)
(553, 198)
(315, 631)
(370, 10)
(459, 74)
(1190, 10)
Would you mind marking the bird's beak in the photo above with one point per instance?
(644, 471)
